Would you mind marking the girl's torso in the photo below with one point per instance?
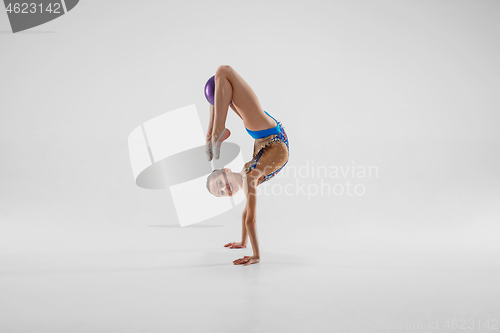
(277, 144)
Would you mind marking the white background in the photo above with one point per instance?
(411, 87)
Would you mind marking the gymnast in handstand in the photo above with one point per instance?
(270, 153)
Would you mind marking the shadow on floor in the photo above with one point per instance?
(27, 32)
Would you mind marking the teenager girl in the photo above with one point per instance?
(270, 153)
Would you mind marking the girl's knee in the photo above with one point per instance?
(223, 70)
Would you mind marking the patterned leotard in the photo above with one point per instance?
(270, 154)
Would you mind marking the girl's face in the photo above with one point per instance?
(223, 184)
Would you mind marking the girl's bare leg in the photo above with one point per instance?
(229, 85)
(208, 141)
(223, 95)
(244, 99)
(210, 123)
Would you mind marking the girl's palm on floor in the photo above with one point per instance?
(246, 260)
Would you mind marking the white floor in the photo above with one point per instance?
(155, 279)
(407, 87)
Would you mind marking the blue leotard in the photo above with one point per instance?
(263, 133)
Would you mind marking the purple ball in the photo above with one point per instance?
(210, 91)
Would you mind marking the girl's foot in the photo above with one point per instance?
(208, 150)
(216, 143)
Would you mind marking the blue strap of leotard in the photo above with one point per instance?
(262, 134)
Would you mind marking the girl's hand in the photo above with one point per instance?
(235, 245)
(247, 260)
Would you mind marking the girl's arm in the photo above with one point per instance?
(250, 221)
(244, 232)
